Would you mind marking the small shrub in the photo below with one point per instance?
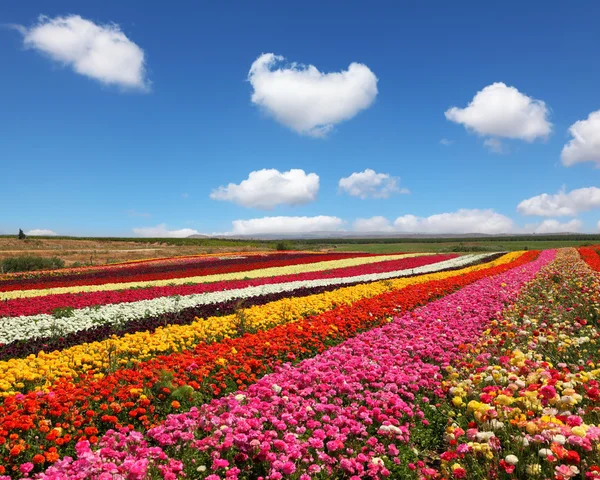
(22, 235)
(28, 263)
(63, 312)
(281, 246)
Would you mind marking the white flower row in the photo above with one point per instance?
(45, 325)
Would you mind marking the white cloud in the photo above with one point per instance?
(286, 225)
(502, 111)
(494, 145)
(268, 188)
(461, 221)
(585, 145)
(561, 204)
(101, 52)
(40, 232)
(598, 226)
(370, 184)
(306, 100)
(554, 226)
(446, 142)
(373, 224)
(161, 231)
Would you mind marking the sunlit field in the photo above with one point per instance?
(304, 365)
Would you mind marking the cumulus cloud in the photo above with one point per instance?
(373, 224)
(161, 231)
(554, 226)
(462, 221)
(561, 204)
(267, 188)
(41, 232)
(370, 184)
(585, 145)
(286, 225)
(306, 100)
(101, 52)
(502, 111)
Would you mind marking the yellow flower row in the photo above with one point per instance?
(39, 371)
(247, 274)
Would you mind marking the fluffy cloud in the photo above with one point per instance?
(461, 221)
(268, 188)
(370, 184)
(306, 100)
(101, 52)
(561, 204)
(585, 145)
(161, 231)
(40, 232)
(502, 111)
(554, 226)
(373, 224)
(446, 142)
(286, 225)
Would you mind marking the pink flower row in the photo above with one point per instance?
(346, 409)
(47, 304)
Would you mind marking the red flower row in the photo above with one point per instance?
(48, 303)
(591, 257)
(143, 396)
(192, 268)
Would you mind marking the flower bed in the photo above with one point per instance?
(177, 270)
(265, 269)
(72, 321)
(37, 372)
(47, 304)
(138, 395)
(525, 401)
(350, 410)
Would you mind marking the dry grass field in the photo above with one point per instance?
(100, 252)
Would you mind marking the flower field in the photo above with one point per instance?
(304, 366)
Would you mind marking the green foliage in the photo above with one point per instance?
(28, 263)
(63, 312)
(22, 235)
(281, 246)
(461, 247)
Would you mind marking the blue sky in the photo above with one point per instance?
(117, 117)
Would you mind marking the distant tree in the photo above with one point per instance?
(22, 235)
(282, 246)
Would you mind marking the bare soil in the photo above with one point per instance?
(97, 252)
